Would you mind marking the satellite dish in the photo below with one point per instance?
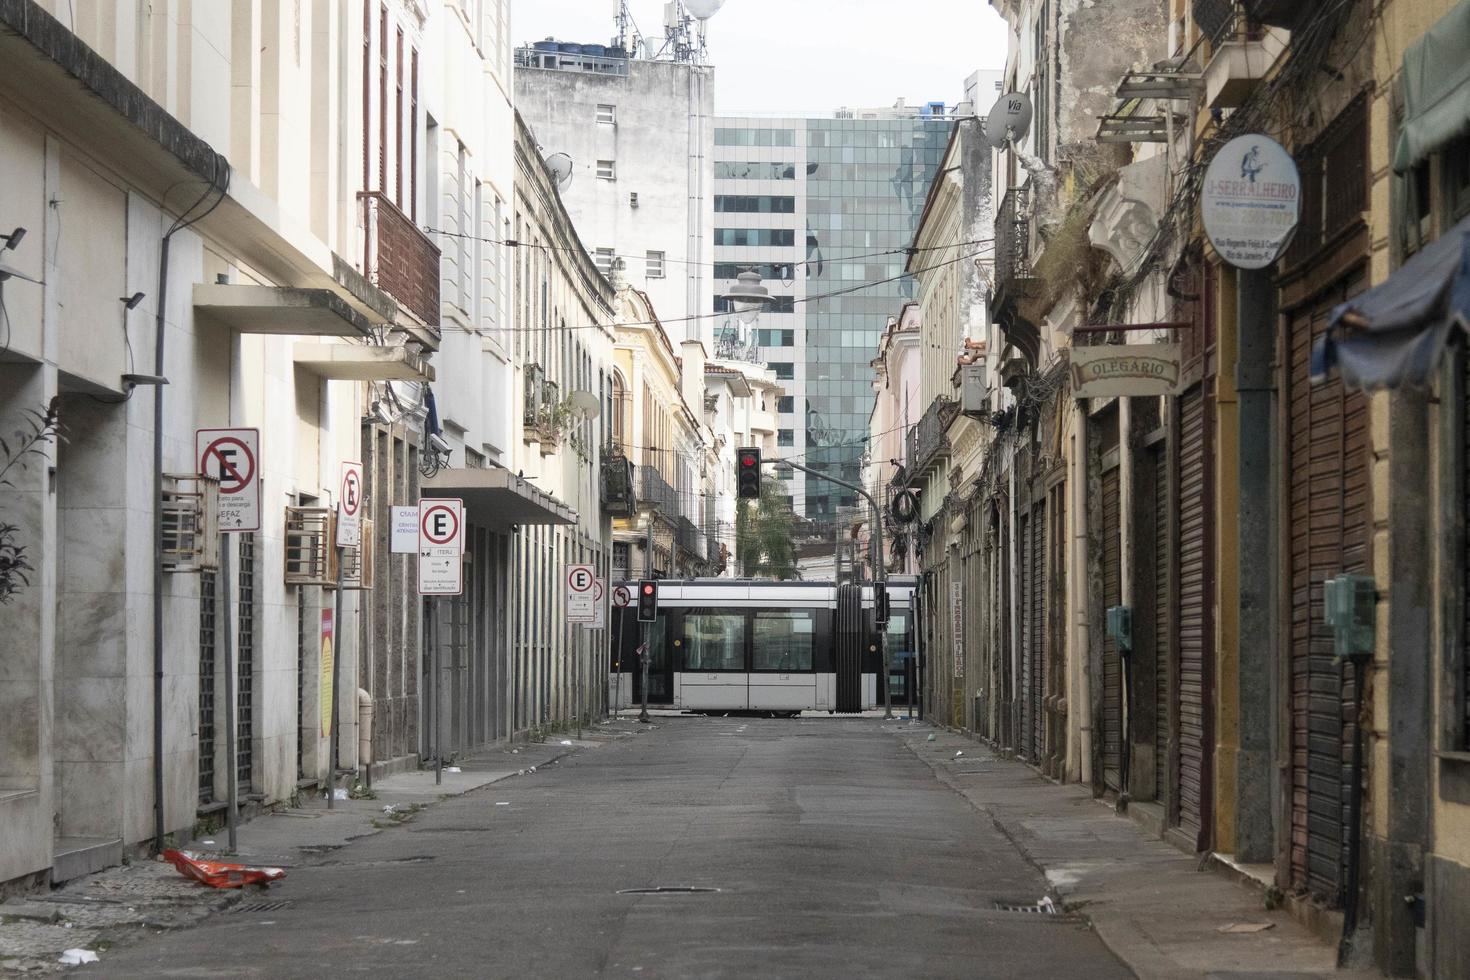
(1010, 119)
(560, 165)
(703, 9)
(585, 404)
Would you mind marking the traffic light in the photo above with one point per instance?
(880, 605)
(748, 474)
(647, 601)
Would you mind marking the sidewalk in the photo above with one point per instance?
(1148, 901)
(120, 905)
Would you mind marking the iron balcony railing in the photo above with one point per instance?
(928, 442)
(654, 491)
(399, 259)
(689, 538)
(619, 497)
(1013, 239)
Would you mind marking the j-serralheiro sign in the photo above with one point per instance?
(1251, 201)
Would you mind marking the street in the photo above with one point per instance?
(835, 852)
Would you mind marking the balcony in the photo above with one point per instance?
(619, 497)
(689, 539)
(654, 493)
(1013, 276)
(928, 442)
(764, 422)
(1242, 51)
(1280, 13)
(543, 414)
(401, 260)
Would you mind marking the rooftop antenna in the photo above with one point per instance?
(629, 38)
(702, 11)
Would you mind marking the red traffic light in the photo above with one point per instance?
(748, 461)
(647, 588)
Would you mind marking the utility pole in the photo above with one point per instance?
(880, 573)
(645, 654)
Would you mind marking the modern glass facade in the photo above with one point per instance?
(860, 187)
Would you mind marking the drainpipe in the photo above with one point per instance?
(158, 339)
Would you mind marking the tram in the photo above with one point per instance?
(780, 648)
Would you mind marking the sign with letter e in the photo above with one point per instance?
(232, 456)
(349, 506)
(441, 543)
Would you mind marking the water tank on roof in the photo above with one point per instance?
(595, 50)
(616, 52)
(570, 48)
(544, 46)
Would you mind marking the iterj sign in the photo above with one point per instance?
(1251, 201)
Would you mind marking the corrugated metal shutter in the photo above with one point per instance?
(1465, 558)
(1112, 666)
(1163, 634)
(1196, 626)
(1028, 627)
(1328, 481)
(1038, 630)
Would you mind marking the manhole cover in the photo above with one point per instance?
(668, 890)
(259, 907)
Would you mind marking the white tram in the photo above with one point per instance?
(728, 645)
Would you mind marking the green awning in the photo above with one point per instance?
(1436, 89)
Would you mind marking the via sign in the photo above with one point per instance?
(1251, 201)
(349, 506)
(441, 543)
(232, 456)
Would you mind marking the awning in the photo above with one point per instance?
(498, 498)
(1436, 84)
(1393, 335)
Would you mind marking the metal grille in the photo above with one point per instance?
(245, 673)
(1465, 556)
(1038, 629)
(1028, 625)
(1163, 637)
(207, 615)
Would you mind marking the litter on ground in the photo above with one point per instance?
(76, 957)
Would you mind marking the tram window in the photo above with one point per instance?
(784, 640)
(714, 641)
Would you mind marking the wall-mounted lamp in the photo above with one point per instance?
(131, 302)
(131, 381)
(12, 240)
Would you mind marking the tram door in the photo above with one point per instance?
(901, 657)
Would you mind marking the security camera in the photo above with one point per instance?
(439, 444)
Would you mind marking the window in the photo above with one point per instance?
(754, 204)
(766, 237)
(764, 170)
(605, 170)
(654, 263)
(784, 472)
(755, 137)
(607, 115)
(768, 270)
(775, 338)
(714, 641)
(786, 404)
(785, 370)
(604, 259)
(785, 437)
(778, 304)
(783, 640)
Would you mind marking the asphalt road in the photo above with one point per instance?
(835, 852)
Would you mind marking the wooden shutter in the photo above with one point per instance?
(1112, 666)
(1196, 622)
(1327, 474)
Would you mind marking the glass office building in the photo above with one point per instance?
(823, 209)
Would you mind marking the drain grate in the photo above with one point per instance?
(247, 907)
(668, 890)
(1044, 907)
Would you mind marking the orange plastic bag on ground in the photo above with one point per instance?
(221, 874)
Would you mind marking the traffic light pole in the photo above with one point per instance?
(880, 572)
(645, 654)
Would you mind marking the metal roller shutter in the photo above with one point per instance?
(1196, 626)
(1112, 666)
(1163, 635)
(1028, 627)
(1465, 557)
(1038, 630)
(1328, 482)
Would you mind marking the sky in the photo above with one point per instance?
(808, 56)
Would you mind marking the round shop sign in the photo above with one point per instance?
(1251, 201)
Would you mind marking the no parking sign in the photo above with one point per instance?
(232, 456)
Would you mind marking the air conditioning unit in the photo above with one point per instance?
(974, 390)
(633, 199)
(190, 508)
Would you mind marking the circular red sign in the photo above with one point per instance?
(232, 479)
(453, 522)
(621, 596)
(351, 493)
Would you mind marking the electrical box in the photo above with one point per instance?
(1120, 627)
(1350, 607)
(974, 390)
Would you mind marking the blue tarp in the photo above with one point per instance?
(1393, 335)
